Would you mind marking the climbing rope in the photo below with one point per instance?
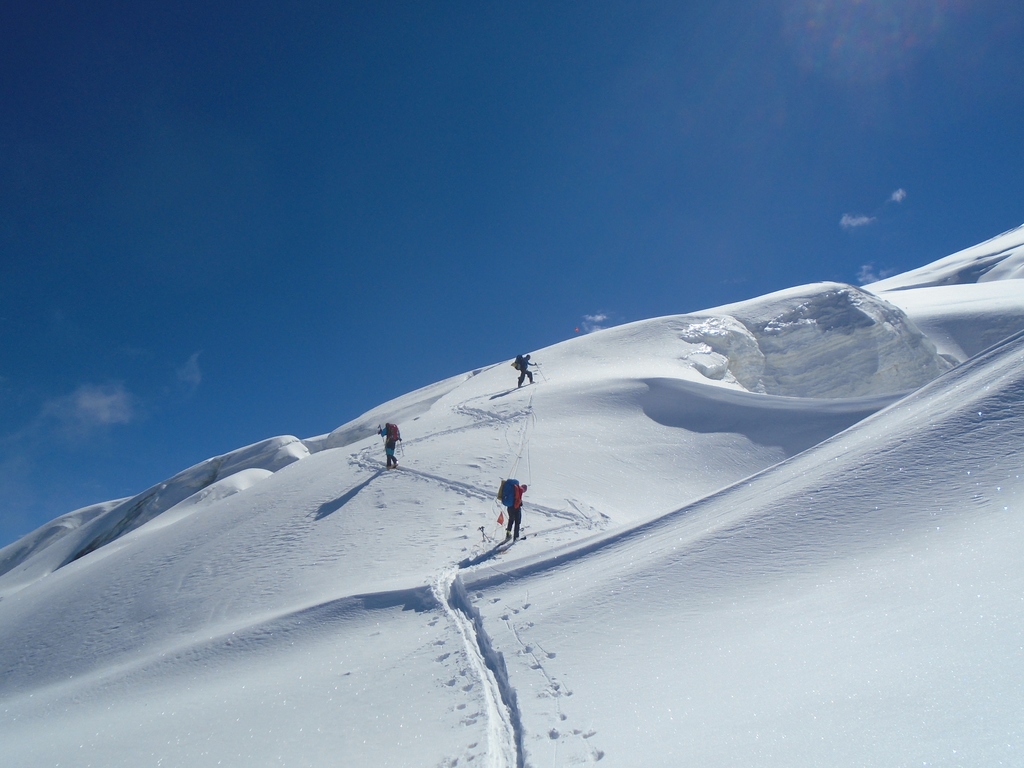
(524, 447)
(524, 443)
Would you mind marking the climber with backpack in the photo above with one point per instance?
(511, 494)
(522, 364)
(391, 437)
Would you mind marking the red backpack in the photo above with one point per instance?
(520, 490)
(392, 430)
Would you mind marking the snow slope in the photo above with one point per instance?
(967, 301)
(745, 544)
(859, 604)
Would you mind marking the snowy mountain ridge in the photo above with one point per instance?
(778, 532)
(999, 258)
(788, 344)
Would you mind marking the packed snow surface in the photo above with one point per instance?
(781, 532)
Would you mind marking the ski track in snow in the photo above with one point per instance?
(526, 701)
(575, 516)
(504, 730)
(367, 459)
(505, 734)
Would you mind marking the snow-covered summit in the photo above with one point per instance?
(744, 545)
(997, 259)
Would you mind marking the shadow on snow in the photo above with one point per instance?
(330, 507)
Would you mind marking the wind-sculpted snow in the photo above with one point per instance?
(870, 587)
(97, 526)
(743, 546)
(966, 302)
(15, 555)
(239, 481)
(1001, 258)
(963, 320)
(792, 423)
(825, 341)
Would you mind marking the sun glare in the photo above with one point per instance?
(864, 40)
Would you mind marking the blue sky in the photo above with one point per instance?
(221, 222)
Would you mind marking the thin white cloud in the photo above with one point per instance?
(593, 322)
(102, 405)
(74, 419)
(869, 274)
(855, 220)
(852, 221)
(189, 374)
(89, 408)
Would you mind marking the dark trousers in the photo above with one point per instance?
(524, 374)
(515, 517)
(389, 449)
